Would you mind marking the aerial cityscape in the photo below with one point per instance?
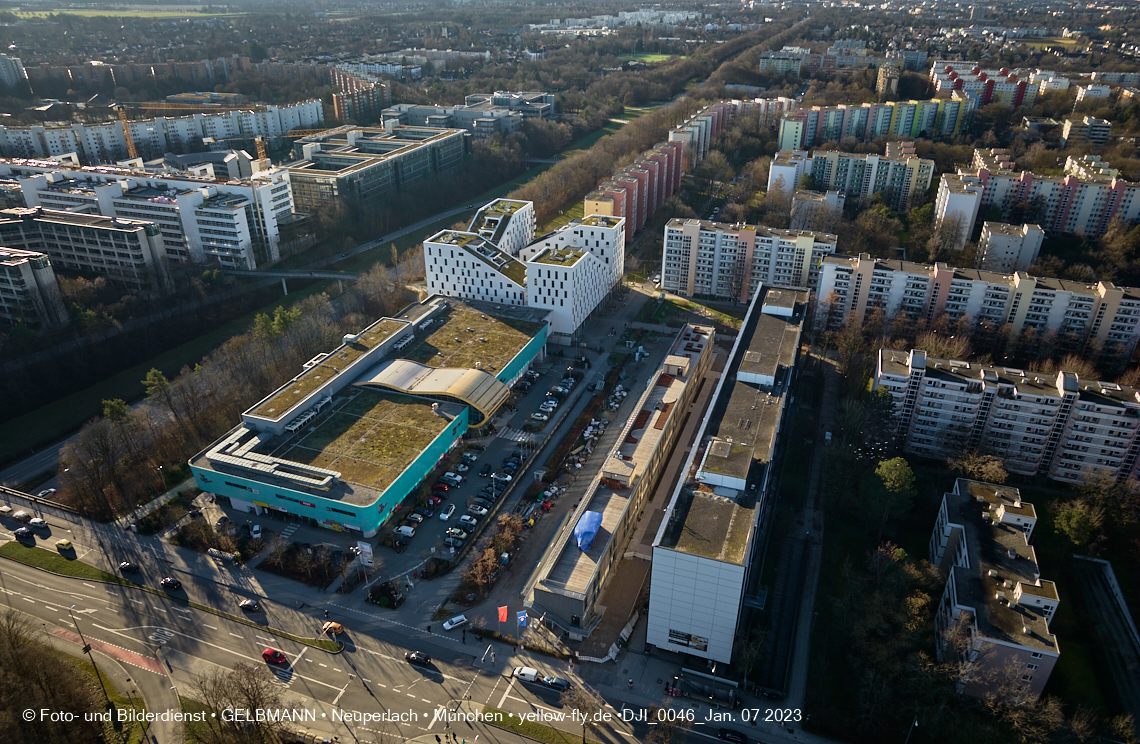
(447, 371)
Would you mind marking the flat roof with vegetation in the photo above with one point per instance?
(557, 257)
(338, 361)
(468, 335)
(710, 526)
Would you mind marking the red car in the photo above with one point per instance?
(435, 500)
(440, 486)
(273, 656)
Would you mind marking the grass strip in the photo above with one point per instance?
(531, 729)
(61, 565)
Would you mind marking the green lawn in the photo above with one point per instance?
(585, 143)
(113, 731)
(651, 59)
(573, 212)
(55, 562)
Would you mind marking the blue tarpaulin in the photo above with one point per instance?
(587, 529)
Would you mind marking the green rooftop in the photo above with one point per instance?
(599, 220)
(371, 438)
(338, 361)
(479, 247)
(709, 526)
(556, 257)
(492, 341)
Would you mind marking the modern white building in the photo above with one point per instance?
(1094, 318)
(567, 273)
(995, 591)
(29, 292)
(706, 549)
(1054, 424)
(1008, 248)
(129, 253)
(958, 201)
(231, 223)
(100, 144)
(508, 223)
(713, 259)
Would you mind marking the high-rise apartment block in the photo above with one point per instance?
(1101, 317)
(29, 292)
(1056, 424)
(731, 262)
(101, 144)
(12, 73)
(234, 223)
(856, 176)
(635, 192)
(1008, 248)
(940, 117)
(1087, 130)
(1061, 204)
(1012, 87)
(697, 131)
(813, 209)
(994, 616)
(129, 253)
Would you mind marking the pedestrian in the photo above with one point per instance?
(492, 657)
(429, 628)
(465, 636)
(630, 683)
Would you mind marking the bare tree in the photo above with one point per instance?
(586, 703)
(980, 466)
(245, 687)
(665, 728)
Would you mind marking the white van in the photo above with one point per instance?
(527, 674)
(406, 531)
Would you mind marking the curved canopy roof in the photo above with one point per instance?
(480, 390)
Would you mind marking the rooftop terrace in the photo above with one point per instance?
(555, 257)
(485, 250)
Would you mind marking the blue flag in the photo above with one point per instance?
(522, 618)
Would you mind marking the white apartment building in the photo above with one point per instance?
(12, 73)
(1067, 204)
(1098, 317)
(100, 144)
(508, 223)
(1090, 92)
(981, 544)
(29, 292)
(234, 223)
(1088, 130)
(1008, 248)
(810, 209)
(1089, 167)
(731, 261)
(857, 176)
(468, 266)
(1059, 425)
(601, 236)
(129, 253)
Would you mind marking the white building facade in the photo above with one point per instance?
(1009, 248)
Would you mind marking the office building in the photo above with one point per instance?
(230, 223)
(570, 581)
(528, 104)
(1101, 317)
(1058, 425)
(815, 210)
(910, 59)
(103, 144)
(128, 253)
(994, 615)
(1088, 130)
(706, 551)
(940, 117)
(1008, 248)
(357, 166)
(346, 442)
(856, 176)
(1063, 204)
(731, 262)
(29, 292)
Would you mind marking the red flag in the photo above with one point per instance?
(502, 614)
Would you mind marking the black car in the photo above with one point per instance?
(221, 524)
(424, 510)
(171, 584)
(518, 455)
(487, 470)
(400, 546)
(556, 683)
(483, 502)
(128, 567)
(25, 533)
(419, 658)
(244, 531)
(732, 735)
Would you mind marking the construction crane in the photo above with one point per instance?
(134, 153)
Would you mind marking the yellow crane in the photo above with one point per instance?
(134, 153)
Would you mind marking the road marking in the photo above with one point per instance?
(235, 635)
(263, 638)
(158, 609)
(135, 601)
(337, 699)
(506, 692)
(424, 700)
(335, 669)
(29, 599)
(89, 586)
(324, 666)
(382, 684)
(366, 680)
(411, 695)
(211, 627)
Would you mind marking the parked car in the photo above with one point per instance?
(477, 510)
(244, 531)
(461, 468)
(249, 605)
(559, 390)
(63, 544)
(547, 408)
(419, 658)
(510, 469)
(470, 457)
(45, 493)
(417, 518)
(128, 567)
(453, 476)
(170, 584)
(255, 532)
(452, 542)
(446, 513)
(451, 480)
(441, 486)
(425, 511)
(37, 524)
(468, 521)
(456, 532)
(22, 516)
(556, 683)
(405, 530)
(501, 477)
(273, 656)
(434, 500)
(221, 524)
(455, 622)
(540, 417)
(486, 471)
(485, 503)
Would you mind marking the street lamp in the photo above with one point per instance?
(913, 726)
(87, 650)
(163, 476)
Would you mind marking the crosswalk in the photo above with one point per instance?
(288, 531)
(516, 435)
(284, 674)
